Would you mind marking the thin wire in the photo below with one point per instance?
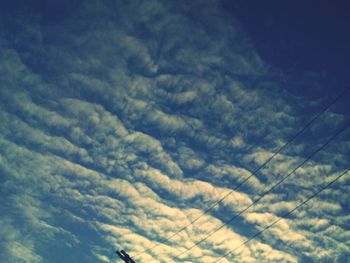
(285, 215)
(266, 192)
(248, 177)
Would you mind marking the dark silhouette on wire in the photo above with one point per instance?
(265, 193)
(286, 214)
(124, 256)
(250, 176)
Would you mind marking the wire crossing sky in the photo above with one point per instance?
(288, 213)
(262, 195)
(205, 128)
(250, 176)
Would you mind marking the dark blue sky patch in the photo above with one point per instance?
(305, 39)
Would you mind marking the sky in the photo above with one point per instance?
(168, 129)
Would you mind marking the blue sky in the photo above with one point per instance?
(123, 121)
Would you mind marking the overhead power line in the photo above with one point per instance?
(266, 192)
(286, 214)
(308, 124)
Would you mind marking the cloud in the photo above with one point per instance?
(16, 246)
(123, 123)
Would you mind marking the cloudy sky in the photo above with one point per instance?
(145, 125)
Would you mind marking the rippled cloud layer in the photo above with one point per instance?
(123, 121)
